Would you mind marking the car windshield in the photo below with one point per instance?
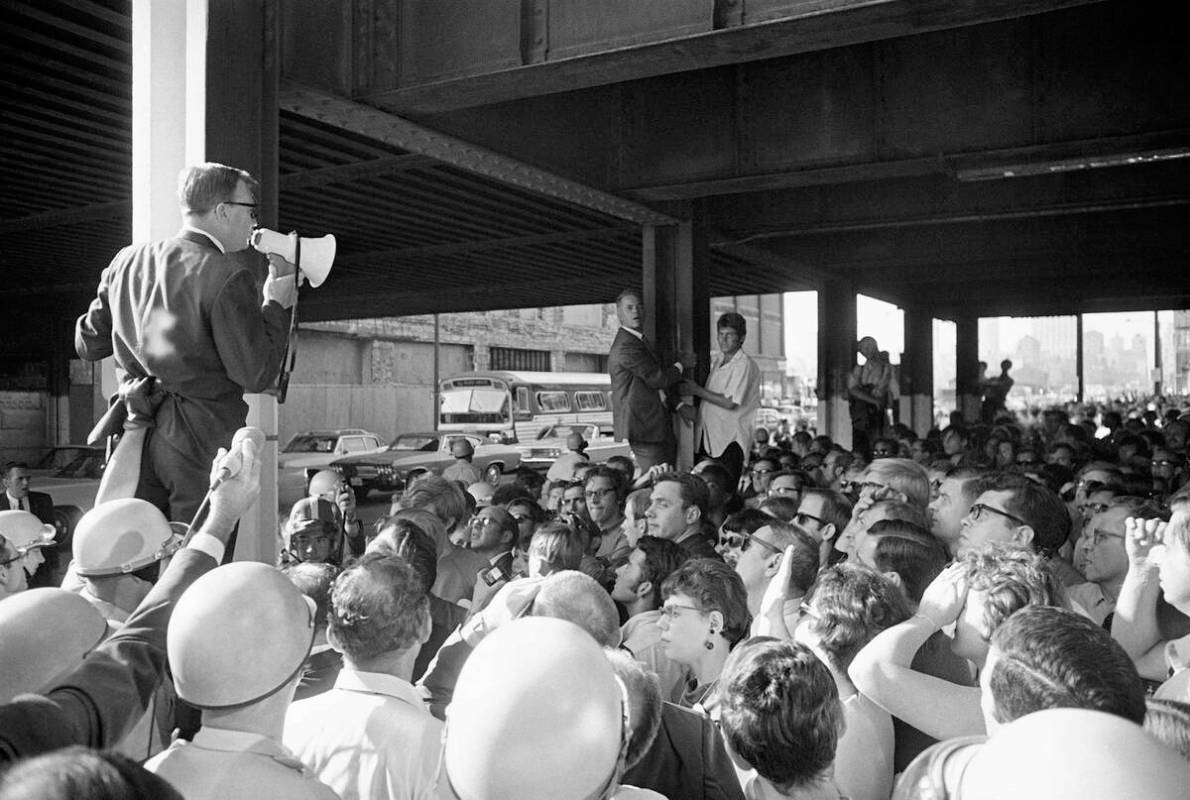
(88, 465)
(309, 443)
(59, 457)
(415, 441)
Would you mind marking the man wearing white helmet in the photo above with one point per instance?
(522, 741)
(371, 735)
(241, 669)
(29, 536)
(96, 703)
(118, 547)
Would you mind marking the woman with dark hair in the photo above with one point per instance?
(704, 614)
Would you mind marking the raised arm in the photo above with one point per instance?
(1134, 625)
(882, 671)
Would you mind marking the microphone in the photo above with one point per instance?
(233, 462)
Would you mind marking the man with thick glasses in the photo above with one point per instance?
(1012, 508)
(187, 313)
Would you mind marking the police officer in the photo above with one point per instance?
(46, 632)
(119, 547)
(27, 535)
(462, 470)
(520, 740)
(241, 669)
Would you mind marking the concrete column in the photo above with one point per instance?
(917, 372)
(836, 357)
(481, 357)
(205, 89)
(676, 298)
(967, 390)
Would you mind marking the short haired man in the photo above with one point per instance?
(638, 590)
(676, 509)
(371, 735)
(789, 483)
(1012, 508)
(729, 399)
(185, 313)
(322, 666)
(995, 392)
(781, 717)
(720, 490)
(1104, 559)
(957, 492)
(835, 463)
(757, 556)
(603, 494)
(45, 567)
(824, 514)
(638, 377)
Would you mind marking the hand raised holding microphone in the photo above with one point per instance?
(235, 478)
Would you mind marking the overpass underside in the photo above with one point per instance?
(960, 159)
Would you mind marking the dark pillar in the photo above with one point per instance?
(1080, 366)
(676, 297)
(917, 372)
(836, 357)
(967, 390)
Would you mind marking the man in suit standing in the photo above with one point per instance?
(638, 379)
(187, 313)
(17, 497)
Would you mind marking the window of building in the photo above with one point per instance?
(517, 359)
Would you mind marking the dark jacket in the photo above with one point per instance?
(637, 375)
(687, 760)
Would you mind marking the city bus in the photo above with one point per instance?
(510, 406)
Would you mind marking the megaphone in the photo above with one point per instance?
(312, 257)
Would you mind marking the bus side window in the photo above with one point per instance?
(591, 401)
(553, 401)
(522, 398)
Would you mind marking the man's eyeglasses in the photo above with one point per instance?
(598, 494)
(979, 509)
(742, 540)
(250, 206)
(1099, 534)
(1091, 509)
(763, 471)
(670, 610)
(802, 516)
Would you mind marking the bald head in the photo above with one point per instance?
(578, 598)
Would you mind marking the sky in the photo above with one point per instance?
(885, 322)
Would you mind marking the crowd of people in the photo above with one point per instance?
(965, 614)
(994, 610)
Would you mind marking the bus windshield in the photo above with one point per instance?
(475, 405)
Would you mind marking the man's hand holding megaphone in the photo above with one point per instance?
(291, 254)
(281, 285)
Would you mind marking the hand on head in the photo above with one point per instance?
(946, 595)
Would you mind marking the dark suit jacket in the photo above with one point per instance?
(687, 760)
(636, 374)
(100, 701)
(41, 505)
(191, 317)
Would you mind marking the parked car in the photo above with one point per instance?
(551, 443)
(307, 453)
(56, 458)
(414, 454)
(73, 487)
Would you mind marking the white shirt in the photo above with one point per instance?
(370, 736)
(16, 504)
(739, 379)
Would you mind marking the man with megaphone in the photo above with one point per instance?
(186, 314)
